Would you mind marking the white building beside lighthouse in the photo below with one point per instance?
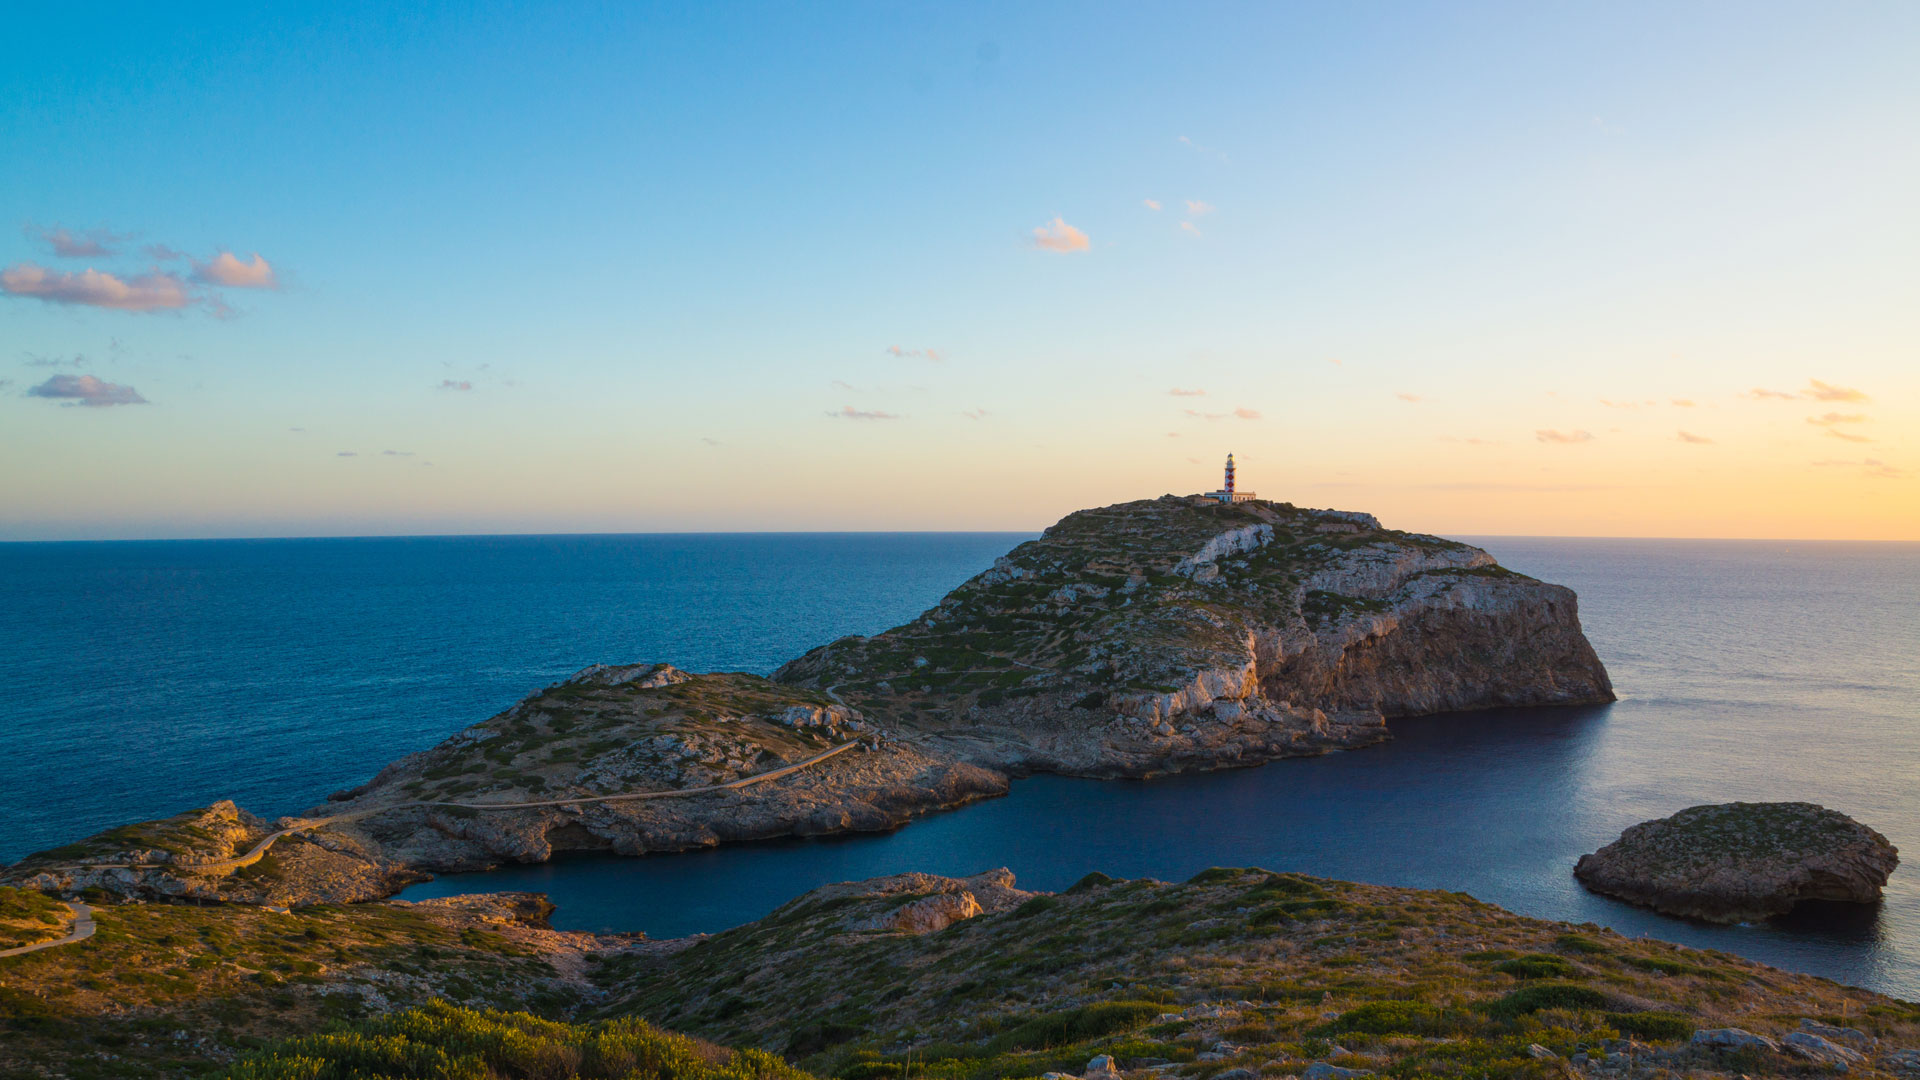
(1227, 494)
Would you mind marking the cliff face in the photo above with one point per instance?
(1180, 633)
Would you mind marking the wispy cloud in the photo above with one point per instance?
(1469, 441)
(1060, 237)
(1871, 467)
(1816, 390)
(848, 412)
(1549, 435)
(86, 244)
(934, 355)
(1611, 404)
(347, 453)
(1151, 204)
(86, 390)
(1191, 229)
(1240, 413)
(1247, 414)
(1199, 148)
(154, 291)
(163, 253)
(36, 360)
(1832, 421)
(1409, 397)
(842, 384)
(1685, 403)
(396, 453)
(1199, 208)
(1690, 437)
(456, 384)
(1820, 391)
(1184, 392)
(709, 441)
(227, 269)
(975, 414)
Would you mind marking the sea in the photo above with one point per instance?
(138, 679)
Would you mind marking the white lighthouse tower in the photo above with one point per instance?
(1227, 494)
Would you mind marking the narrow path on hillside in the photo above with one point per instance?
(81, 930)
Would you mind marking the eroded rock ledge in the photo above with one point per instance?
(1738, 862)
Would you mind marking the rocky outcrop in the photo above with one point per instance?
(1167, 635)
(1178, 634)
(1737, 862)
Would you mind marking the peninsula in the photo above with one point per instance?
(1176, 634)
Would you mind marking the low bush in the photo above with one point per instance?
(1652, 1026)
(1075, 1025)
(1555, 995)
(1535, 966)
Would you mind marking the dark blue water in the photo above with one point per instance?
(1746, 670)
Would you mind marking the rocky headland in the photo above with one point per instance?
(1165, 635)
(1738, 862)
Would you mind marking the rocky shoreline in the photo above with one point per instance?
(1161, 636)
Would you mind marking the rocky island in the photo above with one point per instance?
(1738, 862)
(1163, 635)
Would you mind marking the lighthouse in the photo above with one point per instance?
(1227, 494)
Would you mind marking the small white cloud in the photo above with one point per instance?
(1819, 391)
(1690, 437)
(1247, 414)
(1190, 229)
(227, 269)
(1198, 208)
(848, 412)
(1151, 204)
(1183, 392)
(1409, 397)
(934, 355)
(1684, 403)
(975, 414)
(86, 390)
(346, 453)
(455, 384)
(1060, 237)
(92, 288)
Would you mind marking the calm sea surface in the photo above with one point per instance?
(138, 679)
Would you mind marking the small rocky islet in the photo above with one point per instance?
(1741, 862)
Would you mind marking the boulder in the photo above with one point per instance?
(1738, 862)
(1815, 1048)
(1102, 1067)
(1732, 1039)
(927, 914)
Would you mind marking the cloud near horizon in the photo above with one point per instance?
(1059, 237)
(934, 355)
(156, 291)
(86, 390)
(1182, 392)
(1409, 397)
(848, 412)
(455, 384)
(1816, 390)
(1549, 435)
(1690, 437)
(68, 244)
(1871, 467)
(227, 269)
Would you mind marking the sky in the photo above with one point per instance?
(1634, 269)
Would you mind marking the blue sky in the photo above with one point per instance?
(641, 267)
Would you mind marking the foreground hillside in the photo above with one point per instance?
(921, 976)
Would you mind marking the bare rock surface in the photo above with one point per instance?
(1737, 862)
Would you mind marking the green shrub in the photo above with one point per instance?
(1670, 967)
(1652, 1026)
(1095, 880)
(1535, 966)
(1075, 1025)
(1529, 999)
(1387, 1018)
(443, 1042)
(1039, 905)
(1580, 943)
